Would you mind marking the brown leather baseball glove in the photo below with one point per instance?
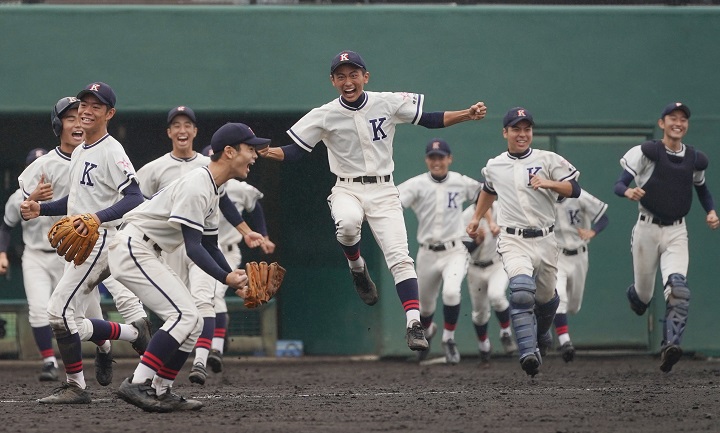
(73, 245)
(263, 283)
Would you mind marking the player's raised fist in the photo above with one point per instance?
(29, 209)
(477, 111)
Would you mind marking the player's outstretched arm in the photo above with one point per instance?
(274, 153)
(476, 111)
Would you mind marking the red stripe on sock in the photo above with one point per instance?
(114, 330)
(450, 326)
(353, 257)
(219, 333)
(482, 337)
(100, 342)
(505, 325)
(151, 361)
(204, 343)
(560, 330)
(412, 304)
(75, 367)
(47, 353)
(166, 373)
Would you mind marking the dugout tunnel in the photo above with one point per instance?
(594, 77)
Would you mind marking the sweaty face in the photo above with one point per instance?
(72, 134)
(518, 136)
(349, 80)
(182, 131)
(438, 164)
(675, 125)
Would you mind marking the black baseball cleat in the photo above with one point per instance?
(215, 361)
(144, 335)
(485, 359)
(48, 373)
(103, 367)
(365, 286)
(198, 374)
(67, 394)
(567, 350)
(669, 356)
(508, 344)
(142, 395)
(176, 402)
(452, 355)
(430, 331)
(545, 342)
(416, 336)
(530, 364)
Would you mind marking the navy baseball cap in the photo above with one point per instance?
(207, 150)
(181, 110)
(232, 134)
(102, 91)
(350, 57)
(35, 154)
(669, 108)
(515, 115)
(437, 146)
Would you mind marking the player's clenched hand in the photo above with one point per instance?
(237, 280)
(4, 263)
(712, 220)
(274, 153)
(473, 228)
(538, 182)
(477, 111)
(29, 209)
(43, 191)
(268, 246)
(586, 234)
(253, 239)
(635, 194)
(479, 236)
(80, 226)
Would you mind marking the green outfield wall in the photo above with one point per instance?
(595, 78)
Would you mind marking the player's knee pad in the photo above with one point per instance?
(522, 303)
(676, 309)
(638, 306)
(546, 313)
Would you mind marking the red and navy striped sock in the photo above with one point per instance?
(43, 338)
(71, 352)
(104, 330)
(160, 350)
(503, 317)
(426, 321)
(205, 339)
(561, 323)
(172, 367)
(481, 331)
(408, 293)
(218, 341)
(451, 314)
(352, 252)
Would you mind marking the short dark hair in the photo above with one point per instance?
(216, 155)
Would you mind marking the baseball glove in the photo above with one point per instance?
(263, 282)
(73, 245)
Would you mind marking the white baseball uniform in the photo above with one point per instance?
(442, 258)
(156, 225)
(486, 277)
(522, 209)
(574, 214)
(359, 143)
(647, 236)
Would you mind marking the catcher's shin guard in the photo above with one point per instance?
(638, 306)
(522, 315)
(676, 309)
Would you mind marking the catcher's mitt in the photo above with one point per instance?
(263, 282)
(68, 242)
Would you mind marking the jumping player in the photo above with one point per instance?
(578, 221)
(358, 129)
(186, 212)
(102, 182)
(665, 171)
(487, 283)
(437, 198)
(527, 182)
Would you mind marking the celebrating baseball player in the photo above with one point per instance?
(487, 282)
(665, 171)
(186, 212)
(527, 182)
(437, 198)
(578, 221)
(101, 184)
(358, 129)
(156, 175)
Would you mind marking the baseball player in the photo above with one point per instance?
(101, 181)
(527, 182)
(185, 212)
(487, 282)
(665, 171)
(578, 221)
(246, 198)
(41, 266)
(437, 197)
(156, 175)
(358, 129)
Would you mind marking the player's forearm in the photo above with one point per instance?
(4, 237)
(52, 208)
(454, 117)
(243, 228)
(705, 197)
(622, 184)
(197, 252)
(132, 197)
(484, 203)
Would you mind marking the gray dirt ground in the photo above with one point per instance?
(621, 393)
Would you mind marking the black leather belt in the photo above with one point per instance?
(483, 264)
(658, 221)
(439, 247)
(574, 252)
(156, 247)
(366, 179)
(530, 233)
(49, 251)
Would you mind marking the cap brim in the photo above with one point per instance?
(258, 143)
(518, 120)
(97, 95)
(437, 152)
(348, 62)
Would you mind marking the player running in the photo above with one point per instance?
(358, 129)
(665, 172)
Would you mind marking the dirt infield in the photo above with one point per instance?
(592, 394)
